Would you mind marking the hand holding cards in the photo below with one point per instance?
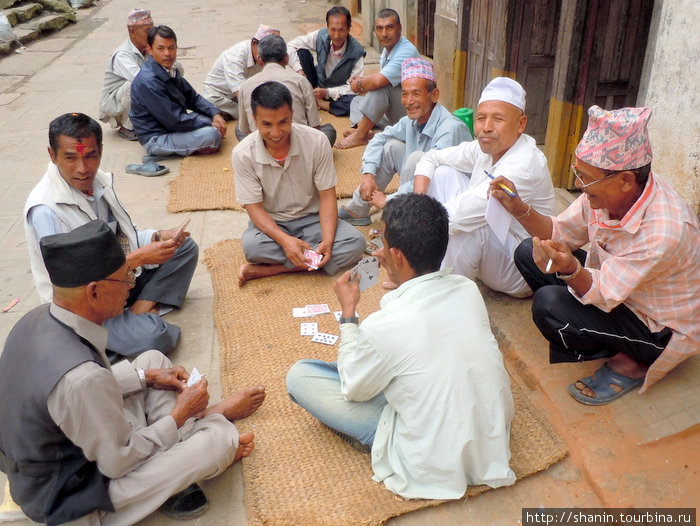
(195, 376)
(368, 272)
(313, 257)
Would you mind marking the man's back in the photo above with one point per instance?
(303, 99)
(431, 352)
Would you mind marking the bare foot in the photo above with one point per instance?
(621, 364)
(377, 199)
(144, 306)
(241, 404)
(351, 141)
(389, 285)
(245, 446)
(323, 104)
(249, 271)
(370, 135)
(349, 131)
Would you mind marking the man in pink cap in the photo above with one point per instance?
(634, 297)
(125, 63)
(231, 69)
(459, 178)
(397, 149)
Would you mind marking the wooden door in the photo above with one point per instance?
(532, 41)
(486, 45)
(426, 27)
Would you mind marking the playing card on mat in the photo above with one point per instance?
(299, 312)
(309, 329)
(318, 308)
(323, 337)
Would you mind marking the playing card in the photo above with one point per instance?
(319, 308)
(299, 312)
(309, 329)
(314, 258)
(368, 271)
(195, 376)
(323, 337)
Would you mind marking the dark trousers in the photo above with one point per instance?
(340, 107)
(578, 332)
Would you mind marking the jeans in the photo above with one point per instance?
(315, 386)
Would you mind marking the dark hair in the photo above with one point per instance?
(340, 10)
(641, 174)
(417, 225)
(271, 95)
(74, 125)
(162, 32)
(389, 13)
(272, 48)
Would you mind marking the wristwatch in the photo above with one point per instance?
(352, 319)
(142, 377)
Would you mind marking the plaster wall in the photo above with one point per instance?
(444, 46)
(670, 86)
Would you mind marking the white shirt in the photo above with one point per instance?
(231, 69)
(308, 41)
(523, 164)
(431, 351)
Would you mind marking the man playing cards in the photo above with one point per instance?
(285, 179)
(421, 381)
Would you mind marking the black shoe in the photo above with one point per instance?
(191, 502)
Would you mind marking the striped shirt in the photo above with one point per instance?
(649, 260)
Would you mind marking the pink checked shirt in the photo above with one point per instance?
(650, 261)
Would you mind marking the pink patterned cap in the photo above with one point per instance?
(616, 139)
(264, 31)
(417, 68)
(139, 17)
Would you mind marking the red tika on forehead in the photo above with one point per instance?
(80, 147)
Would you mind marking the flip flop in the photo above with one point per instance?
(156, 157)
(189, 503)
(148, 169)
(600, 382)
(373, 245)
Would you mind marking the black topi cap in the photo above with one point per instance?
(89, 253)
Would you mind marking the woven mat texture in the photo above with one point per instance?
(300, 471)
(206, 181)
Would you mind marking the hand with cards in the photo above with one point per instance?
(313, 258)
(367, 270)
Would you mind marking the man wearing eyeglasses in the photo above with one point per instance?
(74, 191)
(458, 177)
(634, 297)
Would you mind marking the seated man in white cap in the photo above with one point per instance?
(634, 298)
(459, 178)
(398, 148)
(231, 69)
(125, 63)
(86, 442)
(380, 104)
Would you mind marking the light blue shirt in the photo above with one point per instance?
(442, 130)
(391, 62)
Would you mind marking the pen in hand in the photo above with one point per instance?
(503, 187)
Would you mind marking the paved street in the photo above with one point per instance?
(63, 72)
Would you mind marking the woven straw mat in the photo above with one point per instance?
(206, 181)
(300, 472)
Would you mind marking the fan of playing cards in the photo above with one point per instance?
(368, 271)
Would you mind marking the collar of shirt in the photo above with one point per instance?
(430, 125)
(93, 333)
(633, 218)
(407, 285)
(342, 49)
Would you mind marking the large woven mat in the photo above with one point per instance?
(300, 472)
(206, 181)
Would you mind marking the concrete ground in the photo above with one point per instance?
(641, 451)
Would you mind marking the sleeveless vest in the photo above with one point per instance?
(49, 476)
(341, 72)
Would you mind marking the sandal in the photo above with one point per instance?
(191, 502)
(353, 220)
(148, 169)
(600, 382)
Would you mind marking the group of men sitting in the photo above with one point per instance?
(83, 438)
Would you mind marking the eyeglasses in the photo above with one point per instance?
(608, 174)
(131, 281)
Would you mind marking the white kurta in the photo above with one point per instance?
(431, 351)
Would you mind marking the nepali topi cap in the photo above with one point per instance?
(616, 139)
(264, 31)
(417, 68)
(88, 253)
(504, 89)
(139, 17)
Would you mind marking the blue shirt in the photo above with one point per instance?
(440, 131)
(391, 62)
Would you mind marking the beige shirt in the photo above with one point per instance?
(290, 190)
(303, 98)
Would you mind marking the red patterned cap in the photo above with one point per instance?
(616, 139)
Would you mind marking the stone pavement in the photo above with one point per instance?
(641, 451)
